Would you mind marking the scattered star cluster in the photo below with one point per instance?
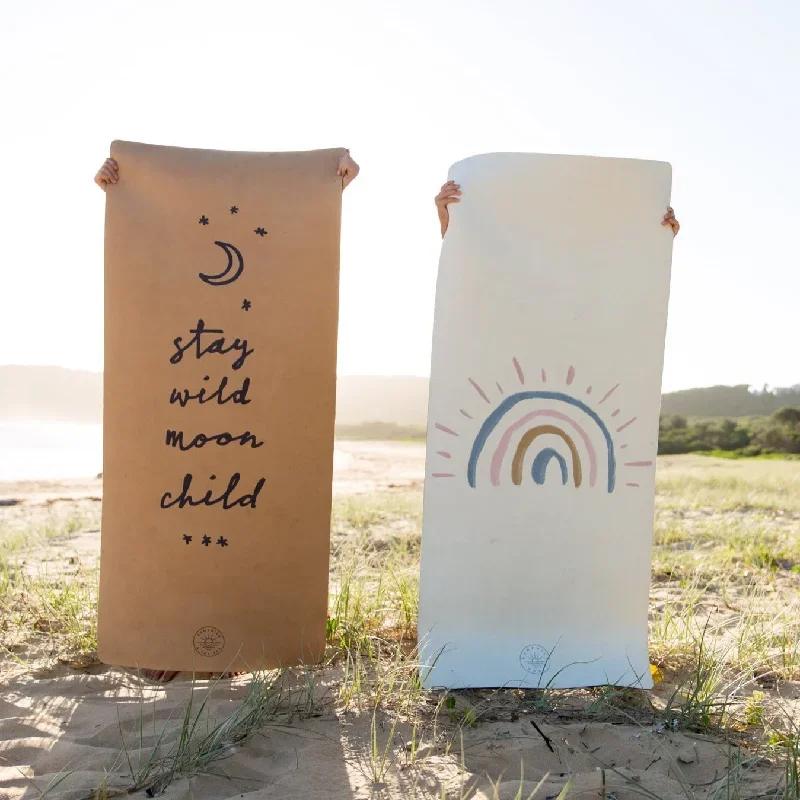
(206, 540)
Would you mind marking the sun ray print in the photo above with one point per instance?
(518, 368)
(608, 394)
(479, 391)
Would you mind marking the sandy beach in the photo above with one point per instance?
(69, 724)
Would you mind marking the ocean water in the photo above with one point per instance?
(50, 450)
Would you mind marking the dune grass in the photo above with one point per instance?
(190, 743)
(41, 602)
(22, 535)
(691, 483)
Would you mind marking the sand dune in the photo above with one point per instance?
(327, 756)
(64, 727)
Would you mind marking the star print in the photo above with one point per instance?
(203, 220)
(260, 231)
(234, 210)
(246, 305)
(187, 538)
(206, 540)
(222, 541)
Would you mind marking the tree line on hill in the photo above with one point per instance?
(776, 434)
(729, 401)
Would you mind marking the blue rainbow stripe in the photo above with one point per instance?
(542, 461)
(494, 418)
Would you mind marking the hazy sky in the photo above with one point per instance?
(411, 87)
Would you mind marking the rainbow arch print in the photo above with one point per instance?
(496, 417)
(542, 434)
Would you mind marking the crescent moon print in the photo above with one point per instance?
(222, 279)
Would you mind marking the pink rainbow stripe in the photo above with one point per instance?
(502, 448)
(480, 391)
(445, 429)
(520, 373)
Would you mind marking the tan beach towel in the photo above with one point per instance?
(221, 306)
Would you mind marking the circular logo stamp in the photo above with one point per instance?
(209, 641)
(534, 659)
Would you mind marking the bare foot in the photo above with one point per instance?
(164, 676)
(158, 675)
